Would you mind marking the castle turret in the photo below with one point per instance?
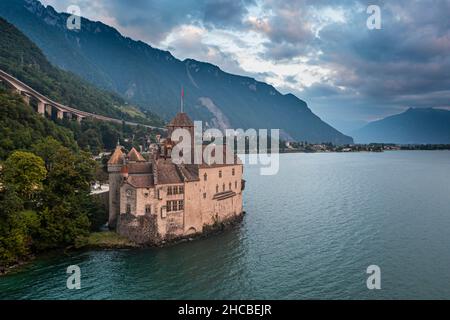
(124, 173)
(115, 164)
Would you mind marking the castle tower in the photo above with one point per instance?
(115, 164)
(181, 121)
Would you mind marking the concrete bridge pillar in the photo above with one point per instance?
(48, 110)
(41, 107)
(26, 98)
(59, 114)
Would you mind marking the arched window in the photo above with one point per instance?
(232, 171)
(223, 187)
(217, 188)
(220, 173)
(229, 186)
(205, 177)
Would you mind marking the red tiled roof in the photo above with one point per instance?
(134, 155)
(139, 167)
(189, 172)
(145, 181)
(181, 120)
(167, 172)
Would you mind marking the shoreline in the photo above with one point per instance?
(123, 243)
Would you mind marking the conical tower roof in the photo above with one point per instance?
(117, 156)
(134, 155)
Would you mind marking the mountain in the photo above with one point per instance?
(18, 129)
(414, 126)
(152, 78)
(24, 60)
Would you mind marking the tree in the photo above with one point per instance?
(25, 172)
(46, 149)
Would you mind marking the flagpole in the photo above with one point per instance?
(182, 98)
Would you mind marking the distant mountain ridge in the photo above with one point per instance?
(152, 78)
(414, 126)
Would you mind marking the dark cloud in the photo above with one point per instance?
(157, 18)
(404, 64)
(225, 13)
(406, 57)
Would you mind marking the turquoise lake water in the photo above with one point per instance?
(310, 232)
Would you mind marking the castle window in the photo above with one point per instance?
(229, 186)
(232, 171)
(174, 206)
(204, 195)
(180, 189)
(169, 191)
(235, 184)
(146, 194)
(169, 206)
(129, 193)
(205, 176)
(128, 208)
(217, 188)
(180, 205)
(148, 209)
(223, 187)
(220, 173)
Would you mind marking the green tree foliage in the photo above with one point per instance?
(57, 180)
(21, 126)
(26, 172)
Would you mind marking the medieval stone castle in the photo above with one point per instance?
(155, 200)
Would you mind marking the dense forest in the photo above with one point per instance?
(47, 166)
(44, 183)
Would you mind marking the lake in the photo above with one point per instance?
(310, 232)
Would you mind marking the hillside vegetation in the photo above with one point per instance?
(25, 61)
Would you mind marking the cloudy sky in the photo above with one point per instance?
(322, 51)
